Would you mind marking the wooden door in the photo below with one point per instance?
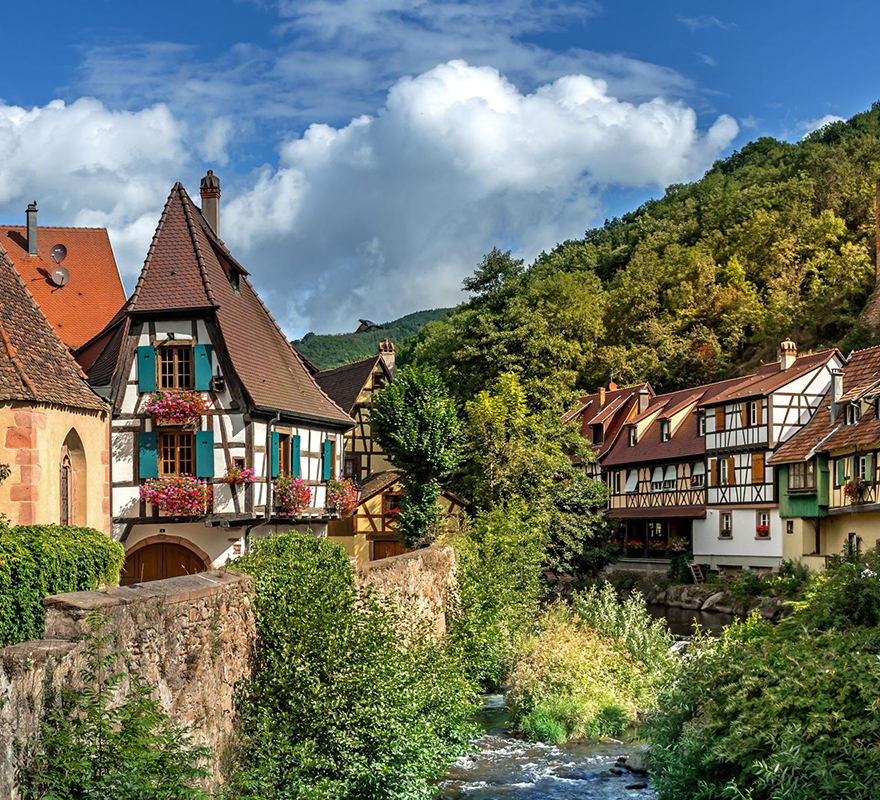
(160, 560)
(387, 549)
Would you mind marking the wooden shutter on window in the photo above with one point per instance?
(205, 454)
(759, 411)
(275, 441)
(295, 467)
(758, 468)
(841, 471)
(869, 468)
(731, 470)
(744, 414)
(148, 462)
(328, 459)
(719, 418)
(714, 472)
(146, 360)
(204, 367)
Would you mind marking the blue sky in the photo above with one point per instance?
(372, 150)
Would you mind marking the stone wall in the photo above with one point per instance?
(190, 637)
(421, 581)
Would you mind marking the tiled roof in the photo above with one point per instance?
(618, 405)
(865, 431)
(80, 309)
(344, 384)
(35, 365)
(771, 377)
(188, 267)
(379, 482)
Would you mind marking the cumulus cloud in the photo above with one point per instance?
(389, 212)
(809, 126)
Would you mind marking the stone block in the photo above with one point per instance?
(30, 473)
(28, 493)
(21, 438)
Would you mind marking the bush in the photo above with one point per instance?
(94, 745)
(500, 555)
(37, 561)
(789, 580)
(341, 706)
(770, 713)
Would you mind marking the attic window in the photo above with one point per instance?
(664, 430)
(701, 424)
(235, 281)
(853, 414)
(598, 433)
(632, 436)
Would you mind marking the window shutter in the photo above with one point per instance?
(744, 414)
(719, 418)
(204, 367)
(758, 468)
(205, 454)
(759, 411)
(275, 440)
(148, 462)
(294, 456)
(714, 475)
(327, 459)
(146, 357)
(841, 471)
(731, 470)
(869, 468)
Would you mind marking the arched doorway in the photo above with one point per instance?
(156, 558)
(73, 483)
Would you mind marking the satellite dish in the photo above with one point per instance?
(59, 253)
(60, 276)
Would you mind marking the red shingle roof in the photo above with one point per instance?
(619, 403)
(79, 310)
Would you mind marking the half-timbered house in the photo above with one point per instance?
(195, 323)
(743, 427)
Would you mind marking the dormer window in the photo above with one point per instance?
(598, 433)
(853, 414)
(701, 424)
(664, 430)
(235, 281)
(632, 436)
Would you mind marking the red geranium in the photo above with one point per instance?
(176, 407)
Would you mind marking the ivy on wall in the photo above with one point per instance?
(40, 560)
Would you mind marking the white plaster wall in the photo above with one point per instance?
(743, 543)
(122, 454)
(126, 501)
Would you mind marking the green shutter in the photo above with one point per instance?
(148, 463)
(841, 471)
(294, 455)
(869, 468)
(275, 439)
(204, 369)
(146, 369)
(327, 465)
(205, 454)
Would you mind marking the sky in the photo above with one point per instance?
(371, 151)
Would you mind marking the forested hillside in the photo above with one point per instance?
(330, 350)
(776, 240)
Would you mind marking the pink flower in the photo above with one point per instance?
(178, 496)
(342, 496)
(292, 496)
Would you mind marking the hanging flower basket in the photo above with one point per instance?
(239, 475)
(292, 496)
(855, 489)
(178, 496)
(342, 496)
(176, 407)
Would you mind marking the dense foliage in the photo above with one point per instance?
(416, 423)
(103, 743)
(37, 561)
(776, 240)
(340, 706)
(330, 350)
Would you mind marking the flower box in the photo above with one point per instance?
(292, 496)
(178, 495)
(342, 496)
(178, 407)
(239, 475)
(763, 531)
(855, 489)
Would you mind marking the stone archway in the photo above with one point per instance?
(73, 491)
(159, 557)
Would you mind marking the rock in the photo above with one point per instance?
(712, 601)
(637, 763)
(616, 771)
(575, 774)
(637, 785)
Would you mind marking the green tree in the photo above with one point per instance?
(416, 423)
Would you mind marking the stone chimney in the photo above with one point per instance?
(836, 393)
(601, 397)
(31, 215)
(386, 352)
(644, 399)
(210, 193)
(787, 354)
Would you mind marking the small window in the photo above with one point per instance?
(724, 470)
(853, 414)
(66, 490)
(175, 366)
(378, 381)
(698, 475)
(762, 525)
(752, 414)
(391, 503)
(701, 424)
(657, 479)
(350, 468)
(802, 476)
(664, 430)
(632, 480)
(670, 477)
(632, 436)
(598, 433)
(615, 482)
(726, 525)
(789, 526)
(239, 462)
(862, 467)
(235, 281)
(284, 451)
(176, 453)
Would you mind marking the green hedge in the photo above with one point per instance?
(39, 560)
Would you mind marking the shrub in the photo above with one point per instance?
(95, 745)
(37, 561)
(789, 580)
(340, 706)
(500, 555)
(770, 713)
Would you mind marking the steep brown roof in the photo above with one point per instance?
(80, 309)
(35, 365)
(345, 383)
(865, 431)
(379, 482)
(618, 405)
(189, 268)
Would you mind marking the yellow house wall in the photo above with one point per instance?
(837, 527)
(31, 444)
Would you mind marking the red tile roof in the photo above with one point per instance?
(35, 365)
(619, 403)
(79, 310)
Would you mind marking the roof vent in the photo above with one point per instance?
(31, 215)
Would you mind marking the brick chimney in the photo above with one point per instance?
(601, 397)
(386, 352)
(836, 393)
(31, 215)
(787, 354)
(644, 399)
(210, 193)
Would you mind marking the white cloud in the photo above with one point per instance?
(389, 212)
(707, 60)
(808, 126)
(700, 22)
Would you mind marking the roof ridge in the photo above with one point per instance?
(58, 227)
(347, 364)
(148, 259)
(200, 260)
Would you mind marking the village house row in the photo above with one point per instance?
(82, 367)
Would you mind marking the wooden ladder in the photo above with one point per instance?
(696, 572)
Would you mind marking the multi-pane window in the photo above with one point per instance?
(284, 450)
(176, 453)
(752, 413)
(701, 424)
(724, 470)
(349, 468)
(726, 529)
(853, 413)
(802, 475)
(657, 479)
(698, 476)
(175, 367)
(862, 467)
(762, 525)
(664, 430)
(391, 501)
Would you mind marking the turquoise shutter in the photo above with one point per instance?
(148, 463)
(204, 367)
(294, 455)
(327, 465)
(841, 471)
(146, 369)
(205, 454)
(869, 468)
(275, 439)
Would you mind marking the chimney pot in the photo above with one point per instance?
(644, 397)
(386, 353)
(31, 215)
(209, 190)
(601, 397)
(787, 354)
(836, 393)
